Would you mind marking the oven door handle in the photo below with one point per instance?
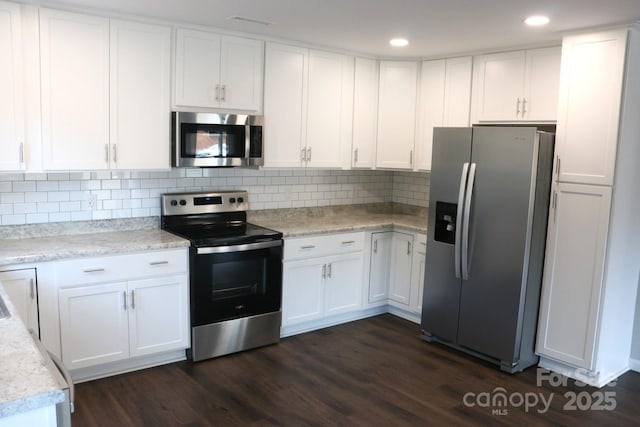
(239, 248)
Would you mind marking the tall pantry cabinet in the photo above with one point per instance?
(592, 259)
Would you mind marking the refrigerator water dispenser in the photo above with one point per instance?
(445, 229)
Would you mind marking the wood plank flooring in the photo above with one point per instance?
(373, 372)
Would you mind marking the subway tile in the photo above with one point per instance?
(35, 197)
(6, 198)
(37, 218)
(19, 186)
(81, 216)
(58, 176)
(92, 184)
(111, 184)
(60, 217)
(24, 208)
(70, 206)
(35, 176)
(11, 176)
(6, 187)
(14, 219)
(58, 196)
(47, 186)
(95, 215)
(69, 185)
(48, 207)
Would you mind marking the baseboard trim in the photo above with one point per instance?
(634, 364)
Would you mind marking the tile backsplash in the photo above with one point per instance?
(78, 196)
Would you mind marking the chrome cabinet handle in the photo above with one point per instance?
(217, 92)
(329, 271)
(348, 242)
(558, 168)
(152, 263)
(375, 247)
(518, 107)
(21, 153)
(410, 157)
(324, 271)
(32, 289)
(93, 270)
(423, 243)
(524, 106)
(133, 299)
(408, 248)
(106, 153)
(309, 154)
(308, 247)
(224, 93)
(355, 156)
(115, 153)
(303, 154)
(124, 299)
(554, 203)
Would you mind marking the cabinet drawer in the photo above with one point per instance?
(120, 267)
(315, 246)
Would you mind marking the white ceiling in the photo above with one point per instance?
(434, 27)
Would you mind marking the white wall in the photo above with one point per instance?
(60, 197)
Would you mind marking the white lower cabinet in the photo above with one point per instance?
(20, 285)
(400, 273)
(322, 277)
(379, 271)
(417, 273)
(116, 308)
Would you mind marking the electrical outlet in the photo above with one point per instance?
(93, 201)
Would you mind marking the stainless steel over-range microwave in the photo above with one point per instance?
(216, 140)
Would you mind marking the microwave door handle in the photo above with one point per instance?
(247, 142)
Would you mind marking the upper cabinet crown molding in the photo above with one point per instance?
(218, 71)
(516, 86)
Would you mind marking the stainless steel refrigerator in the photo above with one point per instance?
(488, 208)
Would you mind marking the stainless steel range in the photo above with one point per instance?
(235, 272)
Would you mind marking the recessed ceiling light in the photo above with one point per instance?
(398, 42)
(537, 20)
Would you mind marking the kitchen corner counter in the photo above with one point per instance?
(27, 383)
(31, 247)
(336, 219)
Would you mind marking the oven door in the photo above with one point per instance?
(229, 282)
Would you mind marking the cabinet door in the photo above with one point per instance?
(380, 264)
(457, 92)
(285, 98)
(417, 274)
(197, 69)
(329, 110)
(400, 272)
(573, 272)
(241, 73)
(11, 106)
(365, 113)
(591, 79)
(431, 110)
(93, 324)
(302, 291)
(21, 287)
(542, 77)
(396, 114)
(498, 88)
(140, 95)
(74, 60)
(343, 285)
(158, 315)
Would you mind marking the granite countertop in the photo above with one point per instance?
(335, 219)
(26, 245)
(27, 383)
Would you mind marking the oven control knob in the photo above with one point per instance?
(240, 199)
(183, 202)
(174, 203)
(232, 200)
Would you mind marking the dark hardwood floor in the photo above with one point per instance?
(373, 372)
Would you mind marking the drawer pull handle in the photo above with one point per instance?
(348, 242)
(423, 243)
(308, 247)
(94, 270)
(158, 262)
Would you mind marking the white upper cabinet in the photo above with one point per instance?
(11, 104)
(517, 86)
(589, 107)
(285, 98)
(140, 95)
(365, 113)
(397, 114)
(329, 110)
(105, 93)
(74, 57)
(214, 71)
(444, 100)
(308, 107)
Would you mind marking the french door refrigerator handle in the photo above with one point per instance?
(461, 191)
(465, 224)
